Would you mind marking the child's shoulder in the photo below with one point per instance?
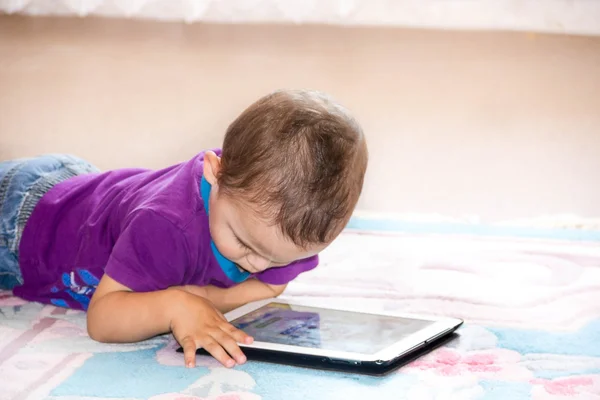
(173, 194)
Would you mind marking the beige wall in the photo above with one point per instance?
(502, 125)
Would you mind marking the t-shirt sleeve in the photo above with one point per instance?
(150, 254)
(283, 275)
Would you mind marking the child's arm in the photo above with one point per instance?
(116, 314)
(229, 299)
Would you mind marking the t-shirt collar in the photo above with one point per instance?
(229, 267)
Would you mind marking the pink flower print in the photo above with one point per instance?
(496, 363)
(8, 300)
(574, 387)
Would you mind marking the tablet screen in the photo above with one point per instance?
(326, 329)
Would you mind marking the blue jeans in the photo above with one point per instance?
(22, 185)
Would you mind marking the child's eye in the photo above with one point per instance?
(239, 242)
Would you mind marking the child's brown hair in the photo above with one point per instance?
(300, 158)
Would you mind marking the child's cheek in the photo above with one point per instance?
(227, 246)
(223, 237)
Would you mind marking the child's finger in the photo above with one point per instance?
(215, 349)
(239, 335)
(230, 345)
(189, 351)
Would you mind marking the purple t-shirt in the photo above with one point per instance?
(146, 229)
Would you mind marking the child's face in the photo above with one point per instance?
(241, 236)
(253, 244)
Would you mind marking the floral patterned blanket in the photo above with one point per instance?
(530, 299)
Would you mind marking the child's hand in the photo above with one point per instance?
(199, 324)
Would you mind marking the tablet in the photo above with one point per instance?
(335, 338)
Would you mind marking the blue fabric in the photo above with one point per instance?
(156, 371)
(389, 224)
(22, 184)
(228, 266)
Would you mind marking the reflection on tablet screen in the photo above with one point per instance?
(326, 329)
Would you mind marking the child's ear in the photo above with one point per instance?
(212, 166)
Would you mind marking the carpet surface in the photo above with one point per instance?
(530, 299)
